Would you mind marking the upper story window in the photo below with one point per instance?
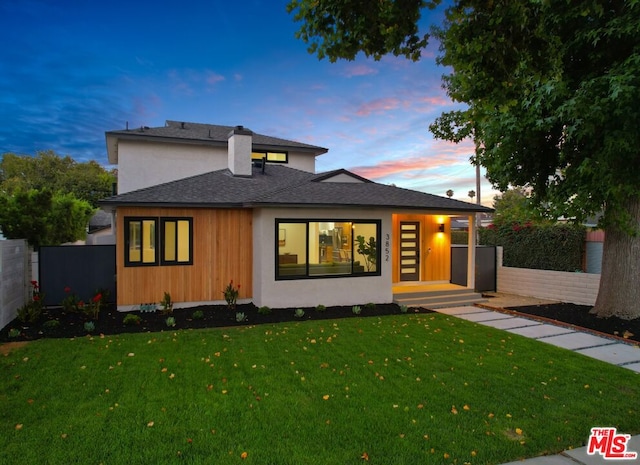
(272, 157)
(308, 249)
(151, 241)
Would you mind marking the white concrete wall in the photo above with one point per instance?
(145, 164)
(13, 278)
(311, 292)
(577, 288)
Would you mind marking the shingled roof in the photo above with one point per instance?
(210, 134)
(281, 186)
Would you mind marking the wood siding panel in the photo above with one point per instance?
(222, 251)
(435, 265)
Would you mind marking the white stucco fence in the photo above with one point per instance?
(13, 278)
(577, 288)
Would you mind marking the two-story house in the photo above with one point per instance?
(199, 205)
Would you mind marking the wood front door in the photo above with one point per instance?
(409, 251)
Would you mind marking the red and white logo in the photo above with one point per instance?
(611, 445)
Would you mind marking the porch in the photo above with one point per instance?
(434, 295)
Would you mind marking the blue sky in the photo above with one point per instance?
(71, 70)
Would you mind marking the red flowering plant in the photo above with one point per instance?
(93, 307)
(70, 301)
(30, 312)
(231, 293)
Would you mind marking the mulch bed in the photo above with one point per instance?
(579, 316)
(110, 320)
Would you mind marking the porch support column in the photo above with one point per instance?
(471, 255)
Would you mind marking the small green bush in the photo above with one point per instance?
(264, 310)
(89, 326)
(14, 332)
(198, 315)
(131, 319)
(370, 306)
(170, 322)
(50, 324)
(299, 313)
(321, 308)
(356, 309)
(404, 309)
(240, 317)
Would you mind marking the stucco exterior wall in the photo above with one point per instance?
(311, 292)
(144, 164)
(13, 278)
(577, 288)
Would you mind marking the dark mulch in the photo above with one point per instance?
(579, 316)
(110, 321)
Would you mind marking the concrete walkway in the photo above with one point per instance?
(610, 350)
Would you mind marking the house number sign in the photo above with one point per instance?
(387, 240)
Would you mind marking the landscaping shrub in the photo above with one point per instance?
(556, 247)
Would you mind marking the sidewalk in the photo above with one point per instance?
(624, 355)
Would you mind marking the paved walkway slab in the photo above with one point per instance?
(511, 323)
(577, 340)
(485, 317)
(540, 331)
(617, 353)
(455, 311)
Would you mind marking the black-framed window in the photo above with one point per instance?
(177, 243)
(150, 241)
(141, 241)
(327, 248)
(270, 156)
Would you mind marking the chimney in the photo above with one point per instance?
(240, 151)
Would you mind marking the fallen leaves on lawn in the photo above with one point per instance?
(244, 455)
(365, 456)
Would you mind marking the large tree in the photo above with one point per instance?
(553, 102)
(87, 181)
(44, 218)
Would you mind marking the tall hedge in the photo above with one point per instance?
(556, 247)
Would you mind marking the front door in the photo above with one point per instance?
(409, 251)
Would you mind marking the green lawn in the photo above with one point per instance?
(405, 389)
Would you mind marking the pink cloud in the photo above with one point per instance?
(407, 167)
(213, 78)
(359, 70)
(378, 106)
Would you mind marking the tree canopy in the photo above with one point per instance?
(551, 92)
(46, 170)
(48, 199)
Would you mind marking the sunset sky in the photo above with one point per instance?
(72, 69)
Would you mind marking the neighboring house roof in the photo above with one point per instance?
(99, 221)
(210, 134)
(282, 186)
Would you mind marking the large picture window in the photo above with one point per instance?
(331, 248)
(153, 241)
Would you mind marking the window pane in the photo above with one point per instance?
(366, 247)
(148, 241)
(292, 249)
(277, 156)
(170, 240)
(134, 241)
(329, 248)
(184, 239)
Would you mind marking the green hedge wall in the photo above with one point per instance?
(556, 247)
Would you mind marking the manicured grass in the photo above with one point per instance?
(403, 389)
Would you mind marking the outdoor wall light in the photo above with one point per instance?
(441, 227)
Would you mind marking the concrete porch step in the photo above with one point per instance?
(439, 299)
